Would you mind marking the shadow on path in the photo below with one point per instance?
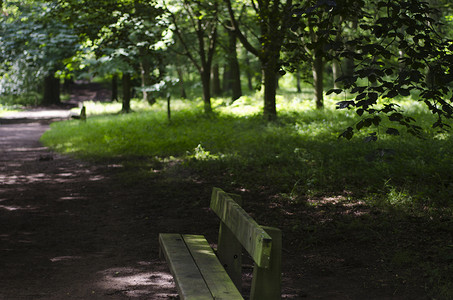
(68, 230)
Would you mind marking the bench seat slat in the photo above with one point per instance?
(217, 279)
(189, 282)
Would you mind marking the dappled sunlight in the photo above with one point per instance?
(136, 282)
(65, 258)
(72, 198)
(20, 179)
(27, 149)
(96, 178)
(345, 206)
(9, 133)
(15, 207)
(66, 176)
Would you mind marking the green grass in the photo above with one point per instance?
(300, 154)
(15, 101)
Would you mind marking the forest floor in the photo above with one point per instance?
(72, 229)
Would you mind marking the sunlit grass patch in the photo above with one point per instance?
(300, 153)
(8, 110)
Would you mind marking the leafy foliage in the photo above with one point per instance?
(32, 44)
(397, 52)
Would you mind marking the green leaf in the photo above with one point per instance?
(391, 94)
(371, 138)
(344, 104)
(348, 133)
(358, 89)
(376, 120)
(360, 125)
(404, 92)
(395, 117)
(336, 91)
(360, 96)
(373, 96)
(392, 131)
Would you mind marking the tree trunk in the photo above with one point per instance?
(181, 83)
(270, 89)
(206, 83)
(51, 90)
(318, 72)
(145, 77)
(234, 67)
(115, 87)
(336, 73)
(216, 89)
(299, 88)
(68, 84)
(236, 83)
(226, 78)
(126, 93)
(249, 73)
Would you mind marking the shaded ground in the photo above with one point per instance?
(79, 230)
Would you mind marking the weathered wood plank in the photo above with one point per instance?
(229, 250)
(267, 283)
(252, 237)
(189, 282)
(214, 274)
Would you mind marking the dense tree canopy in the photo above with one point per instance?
(33, 47)
(377, 51)
(123, 34)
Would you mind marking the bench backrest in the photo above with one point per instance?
(251, 235)
(238, 230)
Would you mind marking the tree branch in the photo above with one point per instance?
(239, 34)
(183, 42)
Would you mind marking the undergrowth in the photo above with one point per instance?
(300, 154)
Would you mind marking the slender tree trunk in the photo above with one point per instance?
(145, 77)
(270, 89)
(236, 83)
(181, 83)
(115, 87)
(234, 67)
(168, 107)
(206, 84)
(299, 88)
(126, 93)
(318, 74)
(274, 22)
(51, 90)
(249, 73)
(227, 78)
(216, 89)
(336, 73)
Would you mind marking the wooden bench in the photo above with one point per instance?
(202, 273)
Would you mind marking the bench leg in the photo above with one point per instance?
(266, 283)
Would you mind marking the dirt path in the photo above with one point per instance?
(68, 230)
